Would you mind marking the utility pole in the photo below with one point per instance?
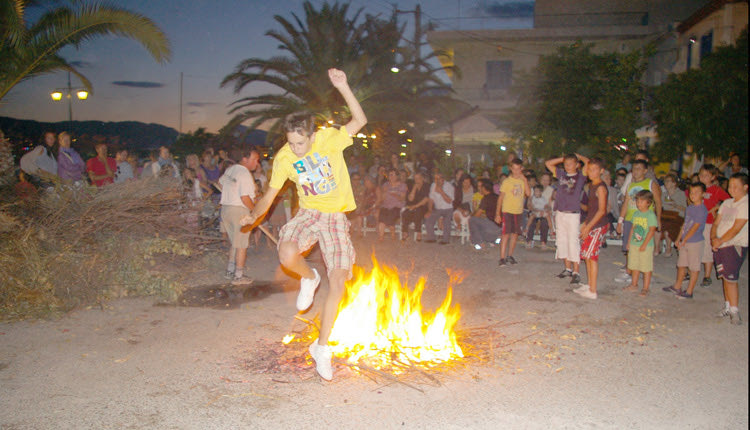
(417, 60)
(70, 103)
(180, 122)
(417, 32)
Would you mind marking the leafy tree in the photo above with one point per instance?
(193, 142)
(705, 108)
(31, 49)
(365, 50)
(578, 99)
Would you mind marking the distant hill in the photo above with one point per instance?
(252, 137)
(129, 134)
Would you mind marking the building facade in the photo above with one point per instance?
(491, 61)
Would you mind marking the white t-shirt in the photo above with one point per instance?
(547, 194)
(438, 201)
(730, 211)
(235, 182)
(36, 159)
(538, 204)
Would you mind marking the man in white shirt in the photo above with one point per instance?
(440, 206)
(237, 199)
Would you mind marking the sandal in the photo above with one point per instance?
(643, 293)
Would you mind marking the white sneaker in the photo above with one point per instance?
(583, 287)
(623, 277)
(307, 289)
(585, 293)
(322, 356)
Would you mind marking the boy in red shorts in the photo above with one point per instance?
(314, 161)
(594, 228)
(509, 209)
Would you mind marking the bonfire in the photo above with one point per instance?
(381, 323)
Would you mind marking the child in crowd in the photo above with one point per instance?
(641, 242)
(539, 215)
(509, 210)
(714, 195)
(613, 206)
(639, 182)
(729, 244)
(567, 211)
(689, 242)
(549, 196)
(124, 171)
(594, 228)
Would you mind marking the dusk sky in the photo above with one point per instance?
(208, 39)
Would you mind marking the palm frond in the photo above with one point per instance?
(36, 51)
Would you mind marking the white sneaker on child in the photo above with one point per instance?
(307, 289)
(322, 356)
(623, 277)
(585, 293)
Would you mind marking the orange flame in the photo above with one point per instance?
(381, 321)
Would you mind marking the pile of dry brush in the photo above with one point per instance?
(72, 246)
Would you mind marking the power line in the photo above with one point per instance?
(484, 40)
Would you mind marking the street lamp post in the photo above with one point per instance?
(67, 92)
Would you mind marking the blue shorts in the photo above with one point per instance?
(728, 261)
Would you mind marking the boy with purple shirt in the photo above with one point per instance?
(689, 242)
(567, 211)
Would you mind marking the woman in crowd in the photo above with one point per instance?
(70, 165)
(417, 200)
(366, 199)
(40, 162)
(202, 186)
(673, 206)
(462, 199)
(391, 200)
(732, 166)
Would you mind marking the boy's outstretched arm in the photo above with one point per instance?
(585, 161)
(552, 163)
(338, 79)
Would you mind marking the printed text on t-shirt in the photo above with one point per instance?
(315, 175)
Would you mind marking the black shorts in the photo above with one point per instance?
(511, 223)
(728, 261)
(389, 216)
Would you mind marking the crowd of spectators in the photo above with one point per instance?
(395, 198)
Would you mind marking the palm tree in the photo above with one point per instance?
(326, 38)
(31, 49)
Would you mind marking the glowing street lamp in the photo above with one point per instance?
(67, 92)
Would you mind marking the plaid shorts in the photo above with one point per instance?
(331, 230)
(592, 243)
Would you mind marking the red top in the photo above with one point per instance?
(713, 196)
(95, 166)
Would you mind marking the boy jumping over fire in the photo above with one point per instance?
(314, 161)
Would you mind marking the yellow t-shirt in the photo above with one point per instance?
(514, 194)
(321, 175)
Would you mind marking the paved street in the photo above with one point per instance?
(559, 361)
